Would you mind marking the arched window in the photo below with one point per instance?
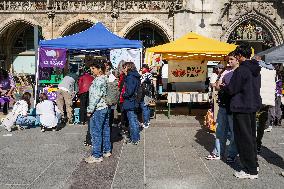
(149, 34)
(253, 33)
(77, 27)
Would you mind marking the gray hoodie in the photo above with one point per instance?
(67, 84)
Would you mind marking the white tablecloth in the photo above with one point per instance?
(179, 97)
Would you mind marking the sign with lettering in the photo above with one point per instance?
(187, 70)
(52, 57)
(51, 93)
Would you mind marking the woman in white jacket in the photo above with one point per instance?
(47, 113)
(19, 114)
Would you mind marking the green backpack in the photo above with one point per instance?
(112, 93)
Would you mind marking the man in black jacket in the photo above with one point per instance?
(246, 101)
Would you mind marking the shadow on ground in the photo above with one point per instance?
(272, 158)
(205, 139)
(92, 176)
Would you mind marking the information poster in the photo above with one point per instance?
(187, 70)
(127, 55)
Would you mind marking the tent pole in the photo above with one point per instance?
(36, 78)
(36, 62)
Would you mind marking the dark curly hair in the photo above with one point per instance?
(99, 64)
(244, 50)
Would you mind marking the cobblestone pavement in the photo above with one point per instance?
(170, 155)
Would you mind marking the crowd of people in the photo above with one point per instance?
(241, 115)
(101, 92)
(237, 91)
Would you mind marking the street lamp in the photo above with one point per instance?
(202, 24)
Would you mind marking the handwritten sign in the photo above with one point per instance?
(187, 70)
(51, 93)
(52, 57)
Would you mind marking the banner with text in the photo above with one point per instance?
(52, 57)
(187, 70)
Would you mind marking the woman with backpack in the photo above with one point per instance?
(48, 113)
(131, 99)
(99, 115)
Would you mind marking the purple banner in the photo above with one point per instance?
(51, 57)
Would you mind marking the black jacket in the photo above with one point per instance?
(244, 87)
(131, 82)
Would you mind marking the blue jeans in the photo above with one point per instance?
(146, 112)
(26, 121)
(100, 132)
(133, 126)
(225, 125)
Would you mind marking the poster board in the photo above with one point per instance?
(187, 70)
(128, 55)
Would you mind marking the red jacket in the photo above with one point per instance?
(121, 87)
(84, 83)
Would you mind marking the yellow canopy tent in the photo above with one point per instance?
(192, 46)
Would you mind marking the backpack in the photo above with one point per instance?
(148, 89)
(112, 93)
(139, 93)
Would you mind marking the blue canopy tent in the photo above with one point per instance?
(98, 37)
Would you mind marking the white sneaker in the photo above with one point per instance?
(92, 159)
(244, 175)
(106, 155)
(146, 126)
(282, 174)
(269, 129)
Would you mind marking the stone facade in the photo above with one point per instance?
(173, 17)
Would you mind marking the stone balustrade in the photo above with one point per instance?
(90, 5)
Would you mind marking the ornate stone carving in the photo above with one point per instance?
(266, 8)
(91, 5)
(263, 12)
(39, 5)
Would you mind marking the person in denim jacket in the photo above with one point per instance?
(98, 110)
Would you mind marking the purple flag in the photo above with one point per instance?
(52, 57)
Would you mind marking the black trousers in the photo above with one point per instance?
(88, 135)
(245, 137)
(5, 108)
(84, 102)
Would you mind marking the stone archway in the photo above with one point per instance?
(12, 30)
(76, 25)
(14, 20)
(167, 32)
(274, 30)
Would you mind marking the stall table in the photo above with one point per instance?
(188, 97)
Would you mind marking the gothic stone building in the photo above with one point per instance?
(259, 22)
